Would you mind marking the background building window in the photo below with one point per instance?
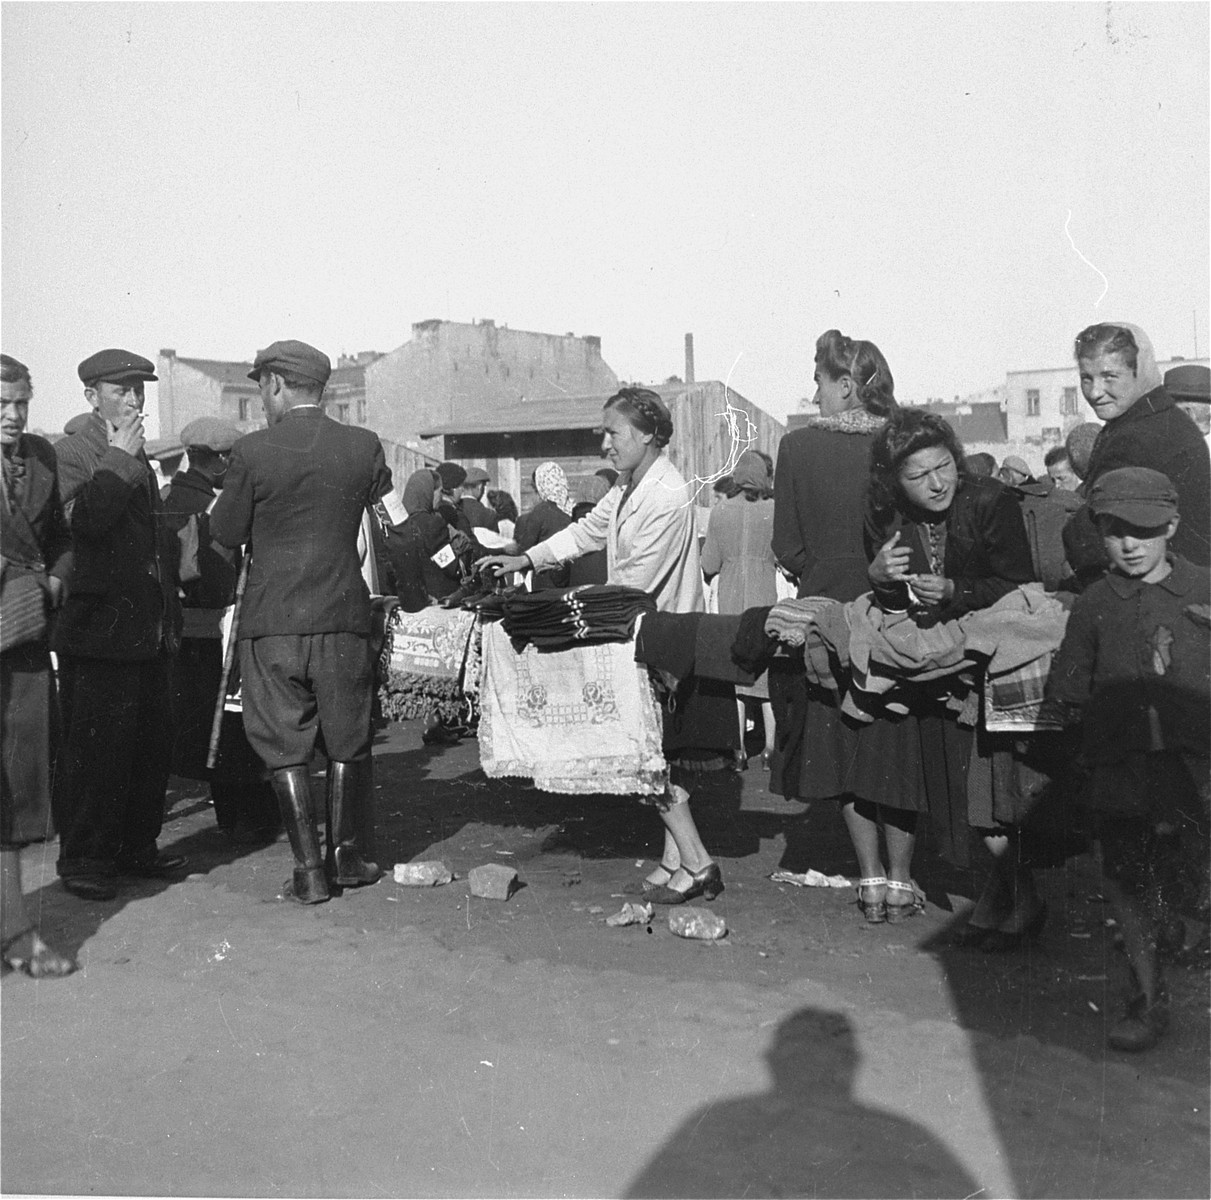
(1069, 406)
(243, 408)
(361, 412)
(1032, 402)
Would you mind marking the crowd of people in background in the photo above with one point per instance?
(876, 529)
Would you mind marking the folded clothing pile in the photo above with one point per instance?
(561, 618)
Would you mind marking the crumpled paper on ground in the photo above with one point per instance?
(812, 878)
(697, 923)
(422, 874)
(631, 914)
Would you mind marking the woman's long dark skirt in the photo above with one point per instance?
(916, 763)
(26, 698)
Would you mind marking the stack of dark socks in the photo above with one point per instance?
(560, 618)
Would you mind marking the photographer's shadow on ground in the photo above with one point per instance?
(806, 1136)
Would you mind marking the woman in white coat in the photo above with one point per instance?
(645, 523)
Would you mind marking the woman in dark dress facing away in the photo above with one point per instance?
(819, 505)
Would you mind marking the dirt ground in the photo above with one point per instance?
(419, 1042)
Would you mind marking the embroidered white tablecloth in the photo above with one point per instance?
(575, 721)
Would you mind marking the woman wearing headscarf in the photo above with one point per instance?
(738, 550)
(34, 548)
(552, 513)
(426, 569)
(1143, 428)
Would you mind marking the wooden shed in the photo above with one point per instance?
(712, 426)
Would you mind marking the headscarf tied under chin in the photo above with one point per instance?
(552, 484)
(751, 473)
(1146, 370)
(418, 492)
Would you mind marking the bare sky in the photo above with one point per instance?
(212, 177)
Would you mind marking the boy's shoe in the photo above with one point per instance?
(1142, 1025)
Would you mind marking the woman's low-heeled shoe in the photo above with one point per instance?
(707, 883)
(644, 887)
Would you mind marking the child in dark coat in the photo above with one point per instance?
(1134, 666)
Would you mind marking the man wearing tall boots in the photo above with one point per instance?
(295, 493)
(114, 638)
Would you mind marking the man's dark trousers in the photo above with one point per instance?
(297, 684)
(112, 770)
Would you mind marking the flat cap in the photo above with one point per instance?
(451, 475)
(113, 366)
(210, 432)
(1016, 464)
(76, 423)
(1189, 382)
(1144, 497)
(164, 447)
(477, 475)
(296, 357)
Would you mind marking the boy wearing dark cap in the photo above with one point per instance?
(114, 638)
(297, 492)
(1134, 666)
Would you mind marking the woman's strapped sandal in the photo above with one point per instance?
(914, 908)
(875, 911)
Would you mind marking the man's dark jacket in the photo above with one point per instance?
(122, 602)
(35, 537)
(296, 492)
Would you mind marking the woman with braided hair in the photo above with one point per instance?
(645, 523)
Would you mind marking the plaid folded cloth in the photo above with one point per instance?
(560, 618)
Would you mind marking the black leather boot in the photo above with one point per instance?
(351, 823)
(292, 787)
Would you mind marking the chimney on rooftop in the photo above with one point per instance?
(689, 358)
